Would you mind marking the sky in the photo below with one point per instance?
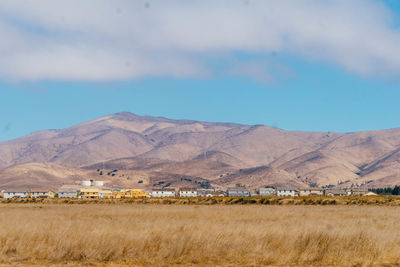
(305, 65)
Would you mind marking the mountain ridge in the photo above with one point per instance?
(179, 148)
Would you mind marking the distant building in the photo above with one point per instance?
(89, 183)
(238, 191)
(287, 192)
(89, 192)
(135, 193)
(165, 192)
(211, 193)
(311, 192)
(65, 192)
(103, 193)
(15, 193)
(40, 193)
(336, 192)
(267, 191)
(359, 191)
(188, 192)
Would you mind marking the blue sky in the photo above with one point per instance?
(55, 74)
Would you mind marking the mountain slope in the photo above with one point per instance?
(148, 147)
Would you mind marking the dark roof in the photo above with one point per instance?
(188, 189)
(163, 189)
(16, 190)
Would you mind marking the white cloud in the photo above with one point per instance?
(99, 40)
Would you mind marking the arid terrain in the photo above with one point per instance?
(181, 235)
(190, 153)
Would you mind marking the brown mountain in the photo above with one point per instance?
(184, 152)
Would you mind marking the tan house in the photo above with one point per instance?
(336, 192)
(311, 191)
(39, 193)
(14, 193)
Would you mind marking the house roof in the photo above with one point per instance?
(39, 190)
(238, 189)
(187, 189)
(287, 189)
(68, 190)
(312, 189)
(16, 190)
(164, 189)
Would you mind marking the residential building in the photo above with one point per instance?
(287, 192)
(187, 192)
(135, 193)
(117, 194)
(89, 192)
(15, 193)
(211, 193)
(40, 193)
(105, 193)
(238, 191)
(65, 192)
(336, 192)
(165, 192)
(267, 191)
(311, 191)
(359, 191)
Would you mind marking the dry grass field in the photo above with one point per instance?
(165, 235)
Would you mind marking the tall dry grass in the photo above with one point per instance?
(190, 235)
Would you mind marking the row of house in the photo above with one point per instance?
(96, 192)
(17, 193)
(241, 191)
(86, 193)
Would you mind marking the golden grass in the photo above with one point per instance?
(205, 235)
(271, 200)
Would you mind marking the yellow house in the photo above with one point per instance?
(89, 192)
(105, 194)
(51, 194)
(117, 194)
(135, 193)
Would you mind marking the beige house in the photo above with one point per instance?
(14, 193)
(38, 193)
(336, 192)
(311, 192)
(267, 191)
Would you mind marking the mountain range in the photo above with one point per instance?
(129, 150)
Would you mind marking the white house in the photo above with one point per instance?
(311, 192)
(15, 193)
(287, 192)
(210, 193)
(166, 192)
(238, 191)
(188, 192)
(268, 191)
(67, 193)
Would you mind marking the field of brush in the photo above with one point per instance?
(270, 200)
(188, 235)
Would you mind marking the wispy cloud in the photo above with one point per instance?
(102, 40)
